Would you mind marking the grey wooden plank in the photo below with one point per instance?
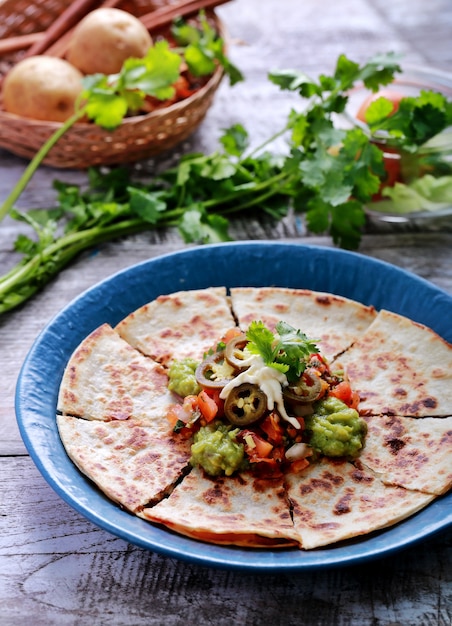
(57, 568)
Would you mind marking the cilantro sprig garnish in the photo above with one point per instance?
(288, 350)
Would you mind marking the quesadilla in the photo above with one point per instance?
(130, 463)
(241, 510)
(106, 379)
(399, 367)
(336, 322)
(358, 440)
(178, 325)
(333, 500)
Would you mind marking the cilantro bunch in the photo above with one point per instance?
(288, 350)
(328, 173)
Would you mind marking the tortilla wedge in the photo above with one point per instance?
(106, 379)
(179, 325)
(130, 463)
(400, 367)
(238, 510)
(333, 501)
(334, 320)
(409, 452)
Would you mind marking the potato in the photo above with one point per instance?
(42, 88)
(104, 39)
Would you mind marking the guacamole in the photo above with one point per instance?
(335, 430)
(216, 450)
(182, 378)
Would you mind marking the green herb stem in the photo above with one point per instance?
(257, 189)
(36, 162)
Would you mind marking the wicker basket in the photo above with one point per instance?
(86, 144)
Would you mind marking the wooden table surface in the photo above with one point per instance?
(58, 568)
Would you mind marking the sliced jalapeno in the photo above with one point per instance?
(234, 352)
(245, 404)
(307, 389)
(210, 373)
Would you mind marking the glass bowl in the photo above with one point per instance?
(427, 197)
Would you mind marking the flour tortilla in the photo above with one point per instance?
(106, 379)
(130, 463)
(239, 510)
(334, 320)
(334, 500)
(399, 367)
(179, 325)
(410, 452)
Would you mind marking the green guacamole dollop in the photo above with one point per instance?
(182, 378)
(216, 450)
(335, 430)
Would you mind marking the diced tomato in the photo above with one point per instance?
(355, 400)
(298, 465)
(215, 395)
(207, 406)
(345, 393)
(272, 428)
(231, 333)
(255, 446)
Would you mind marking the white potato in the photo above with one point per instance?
(104, 39)
(42, 88)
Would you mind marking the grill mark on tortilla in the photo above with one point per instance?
(343, 505)
(395, 445)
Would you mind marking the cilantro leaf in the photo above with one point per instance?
(197, 226)
(204, 49)
(288, 351)
(154, 74)
(148, 205)
(261, 341)
(235, 140)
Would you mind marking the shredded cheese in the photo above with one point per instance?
(250, 441)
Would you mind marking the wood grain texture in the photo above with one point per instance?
(57, 568)
(60, 569)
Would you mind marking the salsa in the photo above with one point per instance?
(264, 401)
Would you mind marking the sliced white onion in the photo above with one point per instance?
(298, 451)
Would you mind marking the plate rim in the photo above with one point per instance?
(180, 547)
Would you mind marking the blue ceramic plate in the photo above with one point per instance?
(231, 264)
